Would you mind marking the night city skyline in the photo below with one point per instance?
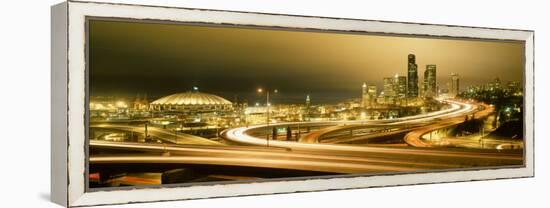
(203, 53)
(171, 104)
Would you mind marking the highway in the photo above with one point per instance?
(308, 155)
(250, 156)
(354, 132)
(414, 138)
(240, 135)
(458, 111)
(162, 134)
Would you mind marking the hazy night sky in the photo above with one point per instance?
(161, 59)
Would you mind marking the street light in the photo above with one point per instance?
(176, 135)
(146, 132)
(268, 113)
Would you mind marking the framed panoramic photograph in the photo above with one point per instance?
(155, 103)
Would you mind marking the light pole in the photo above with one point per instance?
(298, 133)
(268, 113)
(176, 135)
(217, 128)
(146, 133)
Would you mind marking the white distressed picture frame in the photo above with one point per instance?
(69, 149)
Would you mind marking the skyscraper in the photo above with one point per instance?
(412, 84)
(400, 86)
(455, 84)
(372, 92)
(389, 90)
(389, 86)
(368, 98)
(430, 85)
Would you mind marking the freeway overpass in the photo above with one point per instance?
(370, 160)
(162, 134)
(242, 135)
(458, 111)
(414, 138)
(297, 156)
(354, 132)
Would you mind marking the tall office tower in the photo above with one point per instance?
(389, 86)
(364, 96)
(430, 85)
(369, 95)
(449, 88)
(400, 86)
(455, 84)
(372, 91)
(389, 90)
(412, 84)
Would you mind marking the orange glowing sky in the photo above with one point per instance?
(171, 58)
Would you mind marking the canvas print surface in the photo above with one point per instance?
(195, 103)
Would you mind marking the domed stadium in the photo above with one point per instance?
(191, 102)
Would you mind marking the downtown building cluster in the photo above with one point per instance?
(409, 90)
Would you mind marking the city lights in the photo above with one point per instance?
(200, 117)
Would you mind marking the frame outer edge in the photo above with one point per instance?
(59, 105)
(77, 195)
(530, 98)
